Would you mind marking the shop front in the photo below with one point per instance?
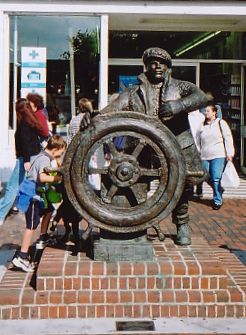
(89, 49)
(56, 57)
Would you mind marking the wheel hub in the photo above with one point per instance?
(124, 171)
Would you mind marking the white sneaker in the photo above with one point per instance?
(23, 264)
(1, 222)
(42, 243)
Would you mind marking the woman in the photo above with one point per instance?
(216, 145)
(84, 106)
(37, 104)
(27, 146)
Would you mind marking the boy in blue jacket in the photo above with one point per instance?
(36, 177)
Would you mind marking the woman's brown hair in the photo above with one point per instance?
(25, 113)
(36, 99)
(85, 105)
(214, 109)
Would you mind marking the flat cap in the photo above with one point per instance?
(157, 53)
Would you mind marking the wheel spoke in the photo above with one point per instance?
(108, 198)
(112, 148)
(150, 172)
(138, 148)
(139, 196)
(103, 170)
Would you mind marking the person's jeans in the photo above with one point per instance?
(12, 188)
(215, 167)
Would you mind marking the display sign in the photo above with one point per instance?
(127, 81)
(33, 71)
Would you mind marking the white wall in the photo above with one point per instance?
(7, 156)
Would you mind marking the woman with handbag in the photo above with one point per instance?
(216, 147)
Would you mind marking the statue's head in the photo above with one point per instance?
(158, 64)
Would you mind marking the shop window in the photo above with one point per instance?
(131, 44)
(223, 82)
(68, 68)
(183, 72)
(121, 77)
(180, 44)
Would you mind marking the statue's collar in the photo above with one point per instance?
(144, 80)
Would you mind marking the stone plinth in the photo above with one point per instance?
(136, 249)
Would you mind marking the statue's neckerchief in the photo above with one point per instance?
(158, 94)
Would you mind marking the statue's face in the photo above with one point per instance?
(157, 70)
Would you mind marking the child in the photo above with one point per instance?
(36, 176)
(50, 194)
(67, 212)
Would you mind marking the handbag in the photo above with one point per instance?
(230, 177)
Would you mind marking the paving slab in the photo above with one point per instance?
(108, 326)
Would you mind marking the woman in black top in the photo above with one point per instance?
(27, 146)
(27, 142)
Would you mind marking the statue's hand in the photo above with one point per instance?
(170, 108)
(166, 110)
(86, 120)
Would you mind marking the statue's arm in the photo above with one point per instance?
(120, 103)
(192, 98)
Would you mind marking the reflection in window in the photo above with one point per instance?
(121, 77)
(72, 44)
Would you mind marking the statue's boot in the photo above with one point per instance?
(183, 234)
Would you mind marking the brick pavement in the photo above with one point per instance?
(225, 228)
(203, 280)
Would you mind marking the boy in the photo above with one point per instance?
(54, 150)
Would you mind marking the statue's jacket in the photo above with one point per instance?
(146, 98)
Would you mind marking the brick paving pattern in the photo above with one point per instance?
(206, 279)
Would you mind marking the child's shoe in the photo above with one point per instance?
(53, 225)
(23, 263)
(65, 238)
(44, 240)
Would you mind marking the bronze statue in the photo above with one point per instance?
(170, 100)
